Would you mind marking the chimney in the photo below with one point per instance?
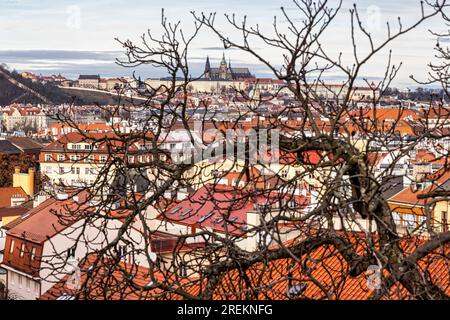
(24, 180)
(62, 196)
(39, 199)
(31, 177)
(252, 240)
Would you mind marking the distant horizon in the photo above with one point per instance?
(103, 63)
(82, 35)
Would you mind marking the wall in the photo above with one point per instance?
(200, 85)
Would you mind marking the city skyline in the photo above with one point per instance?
(83, 35)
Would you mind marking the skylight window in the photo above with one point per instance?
(150, 285)
(234, 219)
(209, 215)
(24, 217)
(186, 212)
(217, 221)
(175, 210)
(297, 290)
(65, 296)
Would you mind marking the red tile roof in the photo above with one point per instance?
(213, 205)
(12, 212)
(270, 280)
(409, 195)
(43, 222)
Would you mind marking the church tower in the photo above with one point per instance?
(223, 69)
(207, 73)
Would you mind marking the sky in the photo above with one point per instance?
(77, 37)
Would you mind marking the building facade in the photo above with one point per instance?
(225, 71)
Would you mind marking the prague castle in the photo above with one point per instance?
(226, 72)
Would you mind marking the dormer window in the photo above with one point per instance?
(71, 253)
(122, 251)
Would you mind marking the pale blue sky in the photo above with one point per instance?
(31, 31)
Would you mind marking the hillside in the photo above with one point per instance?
(90, 97)
(15, 89)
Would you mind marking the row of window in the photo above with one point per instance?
(23, 250)
(102, 159)
(19, 280)
(409, 220)
(73, 170)
(82, 147)
(74, 158)
(413, 221)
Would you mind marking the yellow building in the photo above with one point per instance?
(409, 206)
(24, 180)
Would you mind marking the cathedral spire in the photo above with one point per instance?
(207, 65)
(224, 61)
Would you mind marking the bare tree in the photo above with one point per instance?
(322, 205)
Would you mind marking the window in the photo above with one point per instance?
(175, 210)
(48, 157)
(422, 222)
(186, 213)
(409, 220)
(444, 221)
(61, 170)
(36, 287)
(71, 253)
(75, 170)
(60, 157)
(130, 159)
(292, 204)
(48, 170)
(22, 250)
(396, 217)
(11, 249)
(217, 221)
(183, 270)
(28, 284)
(203, 219)
(33, 253)
(103, 159)
(20, 280)
(13, 278)
(122, 251)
